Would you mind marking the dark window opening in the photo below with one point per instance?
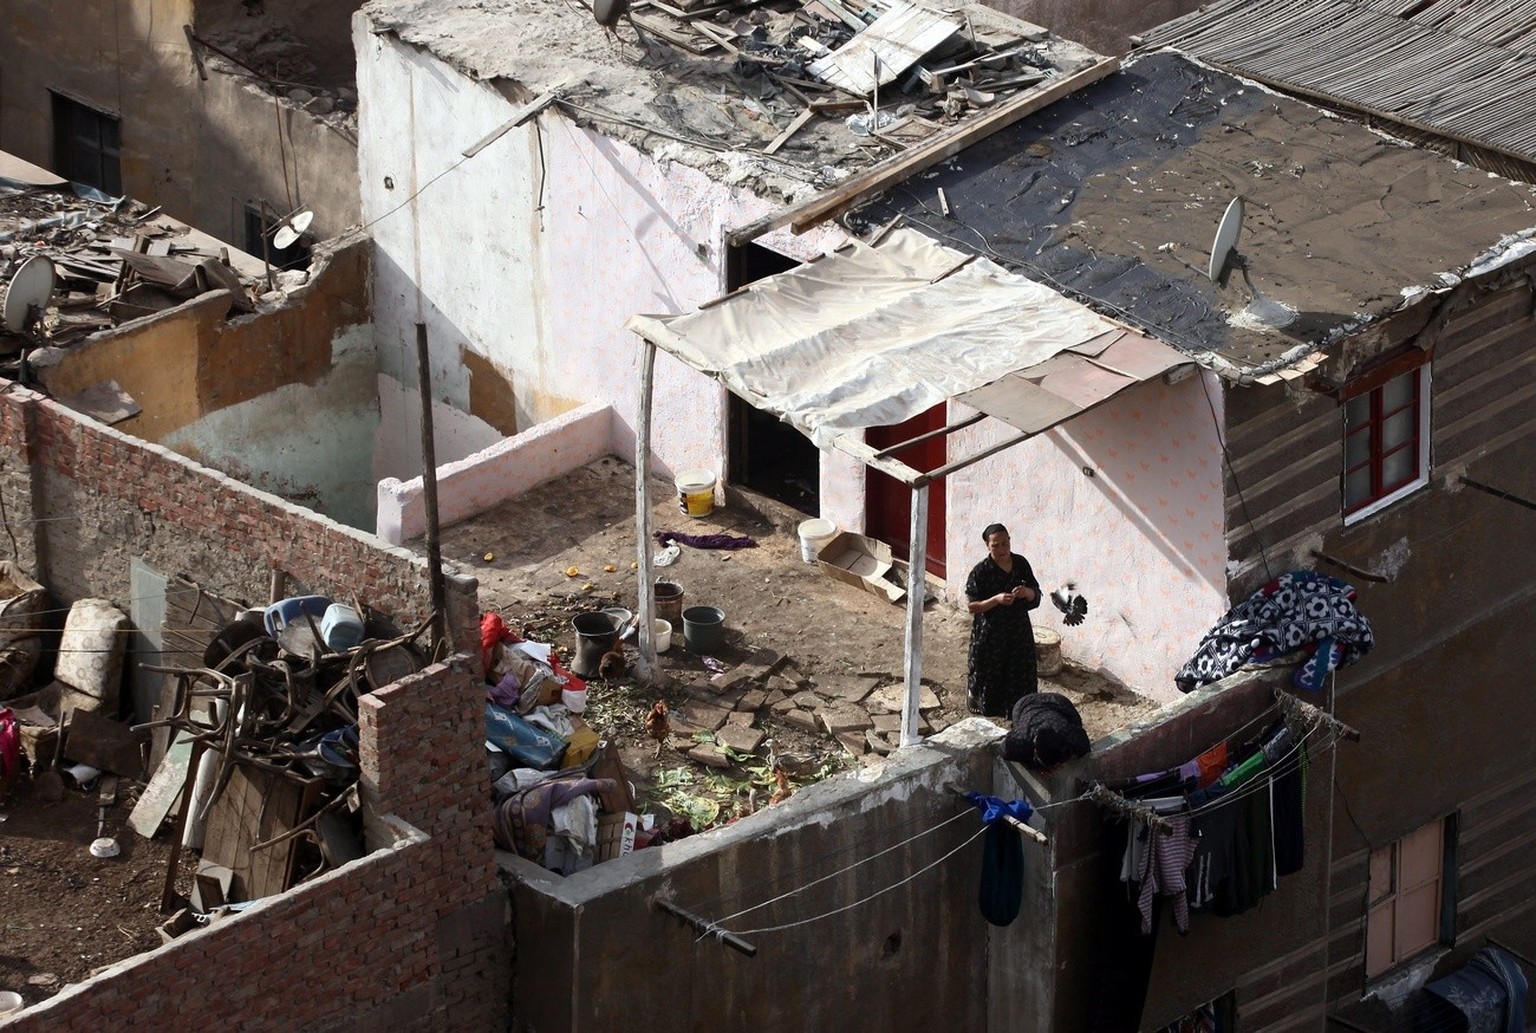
(768, 455)
(87, 146)
(259, 229)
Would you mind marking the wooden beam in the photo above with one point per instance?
(960, 464)
(522, 115)
(789, 130)
(646, 635)
(926, 154)
(851, 446)
(944, 431)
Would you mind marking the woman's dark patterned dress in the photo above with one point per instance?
(1002, 655)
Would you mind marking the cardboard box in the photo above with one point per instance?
(581, 745)
(616, 834)
(861, 562)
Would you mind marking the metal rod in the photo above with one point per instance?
(707, 927)
(1497, 493)
(941, 432)
(916, 590)
(429, 491)
(1349, 568)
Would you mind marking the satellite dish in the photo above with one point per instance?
(31, 287)
(291, 227)
(1224, 255)
(1261, 312)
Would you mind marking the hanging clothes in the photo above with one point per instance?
(1001, 893)
(1167, 858)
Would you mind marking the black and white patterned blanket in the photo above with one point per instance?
(1300, 610)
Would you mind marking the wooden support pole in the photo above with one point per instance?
(429, 493)
(646, 635)
(916, 590)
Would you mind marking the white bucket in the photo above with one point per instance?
(663, 634)
(813, 535)
(695, 492)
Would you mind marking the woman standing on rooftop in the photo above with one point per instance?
(1001, 590)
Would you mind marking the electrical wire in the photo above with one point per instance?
(864, 900)
(848, 868)
(1226, 456)
(817, 861)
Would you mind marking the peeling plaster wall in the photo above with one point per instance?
(531, 256)
(305, 442)
(1142, 537)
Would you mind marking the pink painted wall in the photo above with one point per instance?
(1142, 536)
(505, 470)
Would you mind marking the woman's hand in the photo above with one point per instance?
(1003, 599)
(1023, 592)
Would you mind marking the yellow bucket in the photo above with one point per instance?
(695, 493)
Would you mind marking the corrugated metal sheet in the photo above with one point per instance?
(1464, 68)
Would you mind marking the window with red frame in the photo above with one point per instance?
(1384, 439)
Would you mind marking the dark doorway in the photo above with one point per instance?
(767, 455)
(888, 502)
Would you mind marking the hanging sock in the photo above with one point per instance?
(1002, 858)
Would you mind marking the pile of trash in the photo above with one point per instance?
(560, 797)
(265, 734)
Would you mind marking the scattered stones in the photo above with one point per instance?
(693, 717)
(742, 739)
(837, 720)
(752, 700)
(709, 754)
(807, 700)
(803, 719)
(889, 699)
(853, 742)
(847, 689)
(878, 743)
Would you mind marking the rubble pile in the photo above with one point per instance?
(114, 260)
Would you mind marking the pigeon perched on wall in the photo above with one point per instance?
(1071, 603)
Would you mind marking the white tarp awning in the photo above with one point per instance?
(873, 335)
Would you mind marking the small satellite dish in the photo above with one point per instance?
(1261, 312)
(1224, 255)
(31, 287)
(291, 227)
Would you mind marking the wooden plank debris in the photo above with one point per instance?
(790, 130)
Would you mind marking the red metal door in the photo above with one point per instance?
(888, 502)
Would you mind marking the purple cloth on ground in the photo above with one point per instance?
(706, 541)
(506, 692)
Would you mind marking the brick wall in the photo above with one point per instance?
(411, 937)
(102, 498)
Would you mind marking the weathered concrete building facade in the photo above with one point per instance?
(136, 98)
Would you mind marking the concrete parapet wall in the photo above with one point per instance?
(474, 484)
(859, 893)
